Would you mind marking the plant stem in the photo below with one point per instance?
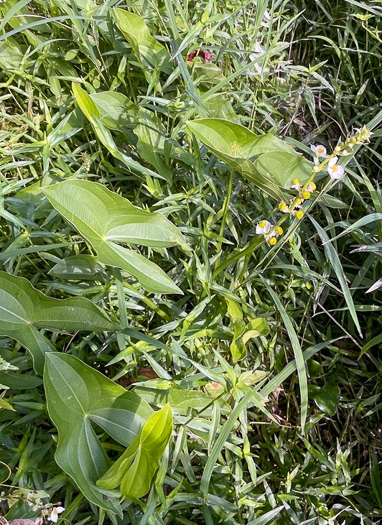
(225, 212)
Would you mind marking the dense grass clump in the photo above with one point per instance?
(188, 334)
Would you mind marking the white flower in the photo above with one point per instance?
(283, 207)
(263, 227)
(296, 185)
(335, 170)
(319, 151)
(311, 187)
(54, 514)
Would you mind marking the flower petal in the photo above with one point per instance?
(336, 172)
(267, 227)
(339, 172)
(314, 149)
(332, 161)
(321, 150)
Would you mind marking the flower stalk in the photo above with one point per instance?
(335, 171)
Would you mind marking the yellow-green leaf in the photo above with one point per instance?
(134, 470)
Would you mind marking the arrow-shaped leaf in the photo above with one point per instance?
(105, 218)
(238, 147)
(77, 396)
(23, 310)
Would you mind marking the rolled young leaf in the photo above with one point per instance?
(134, 470)
(96, 117)
(145, 47)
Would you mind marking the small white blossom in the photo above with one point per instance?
(319, 151)
(54, 514)
(296, 185)
(283, 207)
(335, 170)
(263, 227)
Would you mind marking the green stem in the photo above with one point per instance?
(149, 302)
(253, 245)
(225, 212)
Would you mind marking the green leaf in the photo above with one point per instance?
(267, 517)
(333, 202)
(5, 405)
(206, 73)
(298, 355)
(225, 431)
(145, 47)
(96, 118)
(77, 396)
(243, 332)
(88, 107)
(256, 328)
(282, 167)
(29, 198)
(23, 310)
(373, 217)
(374, 341)
(115, 110)
(234, 140)
(77, 268)
(151, 133)
(334, 260)
(250, 378)
(219, 106)
(134, 470)
(326, 397)
(235, 314)
(238, 146)
(105, 218)
(19, 381)
(10, 54)
(181, 401)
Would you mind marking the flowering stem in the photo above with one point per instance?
(305, 186)
(359, 138)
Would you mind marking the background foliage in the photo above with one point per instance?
(307, 72)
